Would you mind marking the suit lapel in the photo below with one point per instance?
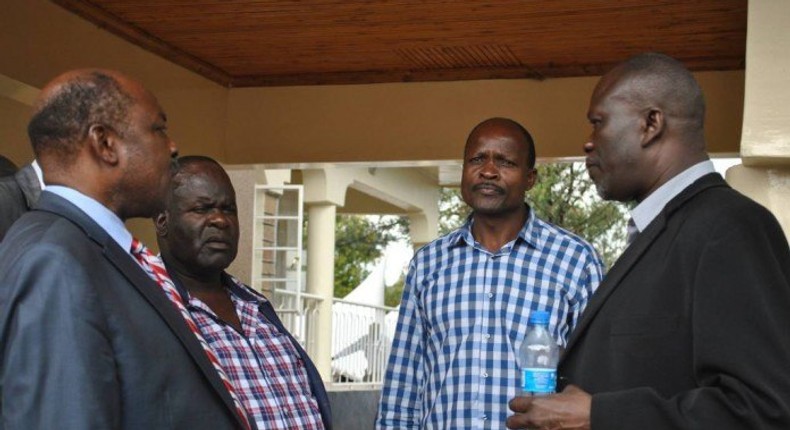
(146, 286)
(634, 253)
(152, 293)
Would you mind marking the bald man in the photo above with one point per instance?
(89, 340)
(689, 329)
(468, 295)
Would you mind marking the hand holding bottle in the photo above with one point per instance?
(568, 410)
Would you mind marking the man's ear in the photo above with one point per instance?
(653, 127)
(104, 144)
(160, 223)
(532, 178)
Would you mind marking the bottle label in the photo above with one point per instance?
(538, 380)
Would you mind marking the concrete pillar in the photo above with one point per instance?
(321, 279)
(765, 143)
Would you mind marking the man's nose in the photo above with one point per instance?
(219, 219)
(588, 146)
(489, 169)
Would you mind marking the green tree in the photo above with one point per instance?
(393, 293)
(359, 242)
(563, 195)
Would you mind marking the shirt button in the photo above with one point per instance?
(484, 417)
(490, 295)
(485, 375)
(487, 336)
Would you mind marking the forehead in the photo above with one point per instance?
(499, 140)
(611, 90)
(202, 182)
(144, 102)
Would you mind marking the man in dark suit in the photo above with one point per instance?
(689, 329)
(198, 234)
(88, 340)
(18, 192)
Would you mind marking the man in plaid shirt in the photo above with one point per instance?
(271, 375)
(469, 294)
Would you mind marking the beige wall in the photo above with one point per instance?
(430, 121)
(39, 40)
(766, 131)
(765, 173)
(13, 131)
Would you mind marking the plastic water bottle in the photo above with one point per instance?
(538, 357)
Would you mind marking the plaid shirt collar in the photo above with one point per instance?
(531, 232)
(233, 285)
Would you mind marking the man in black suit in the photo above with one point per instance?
(88, 340)
(18, 192)
(198, 234)
(689, 329)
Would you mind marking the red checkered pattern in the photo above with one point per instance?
(156, 270)
(262, 362)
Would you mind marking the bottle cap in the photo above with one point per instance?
(539, 317)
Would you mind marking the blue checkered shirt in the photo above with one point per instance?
(454, 360)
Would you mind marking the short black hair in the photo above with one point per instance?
(63, 120)
(518, 127)
(188, 160)
(666, 80)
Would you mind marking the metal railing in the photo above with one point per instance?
(299, 313)
(361, 336)
(361, 342)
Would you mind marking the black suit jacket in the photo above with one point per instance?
(18, 193)
(89, 341)
(690, 329)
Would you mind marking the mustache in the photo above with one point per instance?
(488, 185)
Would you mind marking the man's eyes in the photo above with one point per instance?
(205, 209)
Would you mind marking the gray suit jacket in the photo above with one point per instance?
(18, 193)
(89, 341)
(689, 329)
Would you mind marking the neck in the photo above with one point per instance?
(677, 165)
(200, 285)
(494, 231)
(195, 283)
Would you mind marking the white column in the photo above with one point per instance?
(321, 279)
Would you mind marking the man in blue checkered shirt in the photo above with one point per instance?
(469, 294)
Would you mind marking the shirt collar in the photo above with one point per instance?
(644, 213)
(233, 285)
(96, 211)
(39, 174)
(530, 232)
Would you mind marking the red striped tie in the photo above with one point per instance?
(156, 270)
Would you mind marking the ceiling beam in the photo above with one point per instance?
(145, 40)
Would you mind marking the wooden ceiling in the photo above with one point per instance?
(242, 43)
